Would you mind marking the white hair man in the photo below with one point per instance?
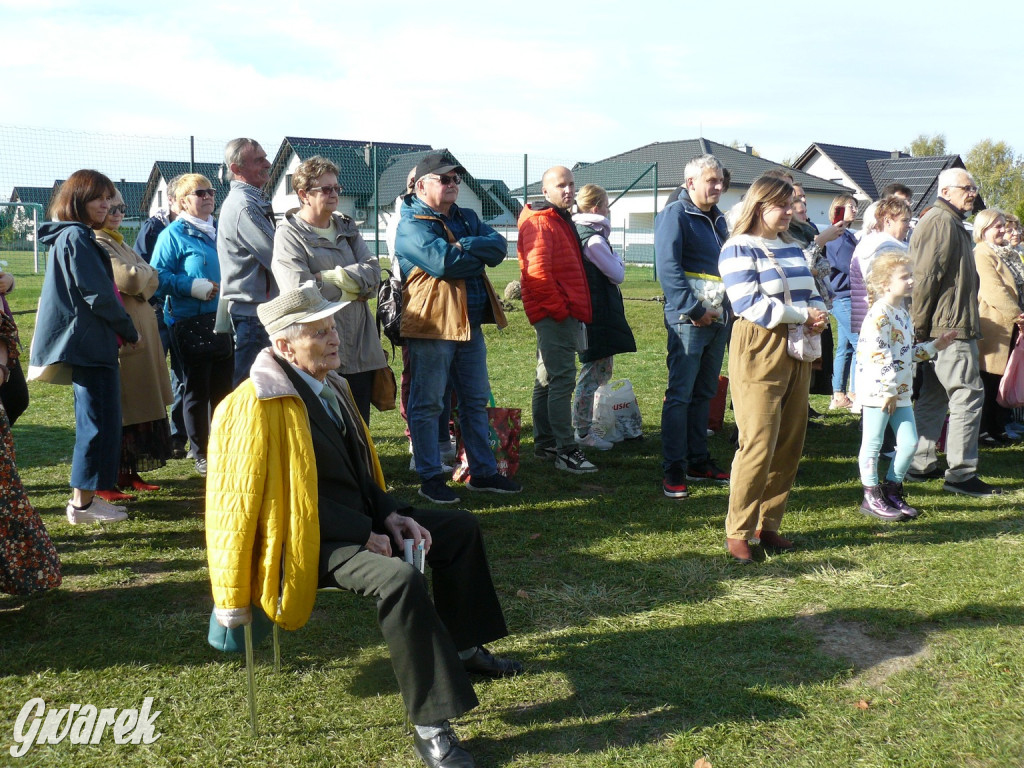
(688, 237)
(945, 298)
(295, 499)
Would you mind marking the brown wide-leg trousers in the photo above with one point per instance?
(769, 397)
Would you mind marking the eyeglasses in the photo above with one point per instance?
(965, 187)
(116, 209)
(203, 193)
(446, 179)
(326, 189)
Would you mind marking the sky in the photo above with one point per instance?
(563, 82)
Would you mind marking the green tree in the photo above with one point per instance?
(998, 172)
(927, 146)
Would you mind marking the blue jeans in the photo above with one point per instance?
(97, 454)
(466, 361)
(250, 339)
(846, 345)
(874, 421)
(694, 362)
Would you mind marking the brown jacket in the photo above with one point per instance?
(435, 308)
(945, 279)
(998, 306)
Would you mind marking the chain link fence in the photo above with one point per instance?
(373, 174)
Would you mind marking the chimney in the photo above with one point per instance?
(748, 149)
(895, 155)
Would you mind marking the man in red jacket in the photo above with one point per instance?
(557, 302)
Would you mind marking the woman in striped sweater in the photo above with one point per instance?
(769, 388)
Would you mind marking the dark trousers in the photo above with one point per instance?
(205, 385)
(424, 638)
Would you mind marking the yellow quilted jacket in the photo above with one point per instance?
(262, 528)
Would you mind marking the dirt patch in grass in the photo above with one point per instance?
(874, 659)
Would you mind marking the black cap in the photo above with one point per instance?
(438, 163)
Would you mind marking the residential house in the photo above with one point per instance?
(869, 171)
(154, 194)
(629, 178)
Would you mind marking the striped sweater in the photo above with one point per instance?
(754, 286)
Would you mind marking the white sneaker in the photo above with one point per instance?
(117, 511)
(98, 511)
(593, 440)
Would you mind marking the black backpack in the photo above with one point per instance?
(389, 307)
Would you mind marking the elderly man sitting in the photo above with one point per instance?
(295, 499)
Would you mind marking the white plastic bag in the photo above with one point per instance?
(616, 412)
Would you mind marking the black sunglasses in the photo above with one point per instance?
(204, 193)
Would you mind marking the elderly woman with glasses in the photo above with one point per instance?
(316, 242)
(145, 383)
(186, 258)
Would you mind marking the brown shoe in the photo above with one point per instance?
(771, 540)
(739, 551)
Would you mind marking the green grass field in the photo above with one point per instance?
(870, 645)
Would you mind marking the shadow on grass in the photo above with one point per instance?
(40, 445)
(638, 687)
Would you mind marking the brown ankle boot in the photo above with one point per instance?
(771, 540)
(739, 550)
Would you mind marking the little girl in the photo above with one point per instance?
(608, 333)
(885, 356)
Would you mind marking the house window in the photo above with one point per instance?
(160, 199)
(288, 184)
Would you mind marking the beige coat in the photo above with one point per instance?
(998, 305)
(145, 383)
(300, 253)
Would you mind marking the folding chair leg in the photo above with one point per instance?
(277, 651)
(252, 678)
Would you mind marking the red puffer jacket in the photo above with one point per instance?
(553, 281)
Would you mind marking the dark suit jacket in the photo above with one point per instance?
(351, 503)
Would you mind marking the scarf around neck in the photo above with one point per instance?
(205, 226)
(114, 235)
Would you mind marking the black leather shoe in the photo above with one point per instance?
(485, 663)
(443, 751)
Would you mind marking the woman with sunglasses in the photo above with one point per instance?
(79, 327)
(315, 242)
(186, 258)
(145, 384)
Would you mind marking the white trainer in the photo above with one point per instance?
(98, 511)
(594, 440)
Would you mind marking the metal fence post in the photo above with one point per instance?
(526, 178)
(376, 202)
(655, 260)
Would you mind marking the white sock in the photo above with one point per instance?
(428, 731)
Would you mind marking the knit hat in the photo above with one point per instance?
(304, 304)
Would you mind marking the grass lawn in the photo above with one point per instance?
(870, 645)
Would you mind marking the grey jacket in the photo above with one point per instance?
(300, 253)
(245, 247)
(945, 278)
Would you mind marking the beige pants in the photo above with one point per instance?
(769, 397)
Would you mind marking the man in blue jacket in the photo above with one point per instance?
(688, 237)
(443, 250)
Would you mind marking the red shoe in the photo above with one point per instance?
(136, 483)
(114, 495)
